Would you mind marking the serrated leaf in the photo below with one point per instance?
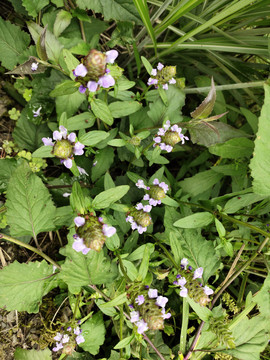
(110, 196)
(25, 68)
(33, 7)
(233, 149)
(93, 137)
(30, 209)
(81, 270)
(206, 107)
(13, 42)
(123, 10)
(22, 286)
(62, 21)
(102, 111)
(22, 354)
(124, 108)
(193, 221)
(260, 163)
(93, 333)
(7, 167)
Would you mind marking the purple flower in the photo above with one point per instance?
(92, 86)
(82, 171)
(69, 328)
(160, 66)
(172, 81)
(154, 72)
(57, 347)
(152, 81)
(181, 282)
(165, 86)
(77, 331)
(37, 112)
(142, 326)
(79, 221)
(134, 316)
(139, 206)
(78, 148)
(161, 301)
(141, 229)
(79, 339)
(183, 292)
(157, 139)
(34, 66)
(139, 299)
(111, 55)
(165, 315)
(67, 163)
(106, 81)
(80, 70)
(152, 293)
(65, 339)
(108, 230)
(184, 263)
(94, 163)
(140, 184)
(208, 291)
(164, 186)
(72, 137)
(58, 337)
(47, 141)
(79, 246)
(82, 89)
(59, 135)
(198, 273)
(147, 208)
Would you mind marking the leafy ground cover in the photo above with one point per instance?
(134, 209)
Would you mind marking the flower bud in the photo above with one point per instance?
(62, 149)
(95, 62)
(171, 138)
(68, 349)
(135, 140)
(156, 192)
(92, 234)
(166, 74)
(142, 218)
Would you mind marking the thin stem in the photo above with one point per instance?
(201, 90)
(76, 306)
(29, 247)
(122, 267)
(183, 335)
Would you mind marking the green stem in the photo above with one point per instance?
(183, 335)
(76, 306)
(121, 329)
(201, 90)
(29, 247)
(122, 267)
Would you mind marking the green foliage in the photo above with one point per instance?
(31, 281)
(22, 354)
(94, 333)
(106, 198)
(30, 209)
(34, 6)
(195, 220)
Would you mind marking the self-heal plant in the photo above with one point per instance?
(67, 340)
(155, 192)
(168, 136)
(163, 76)
(139, 218)
(65, 146)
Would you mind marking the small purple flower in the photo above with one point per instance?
(134, 316)
(152, 81)
(77, 331)
(172, 81)
(34, 66)
(79, 339)
(111, 55)
(72, 137)
(141, 229)
(165, 86)
(80, 70)
(184, 263)
(37, 112)
(208, 291)
(82, 171)
(108, 230)
(82, 89)
(139, 206)
(139, 299)
(47, 141)
(164, 314)
(160, 66)
(69, 328)
(79, 246)
(181, 282)
(140, 184)
(130, 306)
(106, 81)
(58, 347)
(154, 72)
(78, 148)
(58, 337)
(147, 208)
(161, 301)
(198, 273)
(157, 139)
(164, 186)
(65, 339)
(79, 221)
(94, 163)
(67, 163)
(92, 86)
(183, 292)
(142, 326)
(152, 293)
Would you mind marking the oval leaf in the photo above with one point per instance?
(108, 197)
(195, 220)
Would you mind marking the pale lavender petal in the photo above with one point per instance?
(161, 301)
(140, 184)
(139, 299)
(129, 218)
(34, 66)
(142, 326)
(82, 89)
(168, 148)
(152, 293)
(37, 112)
(164, 186)
(134, 226)
(66, 194)
(85, 250)
(78, 148)
(106, 81)
(92, 86)
(162, 146)
(68, 163)
(183, 292)
(65, 339)
(57, 135)
(108, 230)
(172, 81)
(152, 81)
(153, 202)
(160, 66)
(63, 131)
(134, 316)
(78, 245)
(174, 128)
(80, 70)
(157, 139)
(184, 263)
(111, 55)
(58, 337)
(147, 208)
(47, 141)
(80, 339)
(181, 282)
(208, 291)
(139, 206)
(82, 171)
(165, 315)
(165, 86)
(161, 132)
(79, 221)
(198, 273)
(154, 72)
(167, 125)
(146, 197)
(58, 347)
(155, 182)
(72, 137)
(141, 229)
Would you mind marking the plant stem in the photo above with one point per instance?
(224, 87)
(29, 247)
(183, 335)
(122, 267)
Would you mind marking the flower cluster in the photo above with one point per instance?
(155, 192)
(68, 340)
(65, 146)
(168, 136)
(139, 218)
(162, 76)
(189, 285)
(93, 72)
(149, 310)
(91, 233)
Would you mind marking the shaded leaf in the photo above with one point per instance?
(94, 333)
(22, 354)
(104, 158)
(62, 21)
(233, 149)
(93, 137)
(106, 198)
(124, 108)
(239, 202)
(102, 111)
(41, 45)
(34, 6)
(25, 68)
(65, 88)
(206, 107)
(195, 220)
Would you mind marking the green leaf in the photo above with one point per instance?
(147, 65)
(104, 158)
(22, 286)
(202, 311)
(65, 88)
(106, 198)
(102, 111)
(93, 137)
(30, 209)
(81, 121)
(124, 108)
(33, 7)
(81, 270)
(193, 221)
(200, 182)
(123, 343)
(117, 142)
(77, 198)
(43, 152)
(7, 167)
(239, 202)
(233, 149)
(13, 42)
(93, 333)
(206, 107)
(69, 103)
(41, 45)
(260, 163)
(251, 119)
(123, 10)
(29, 135)
(22, 354)
(143, 269)
(119, 300)
(62, 21)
